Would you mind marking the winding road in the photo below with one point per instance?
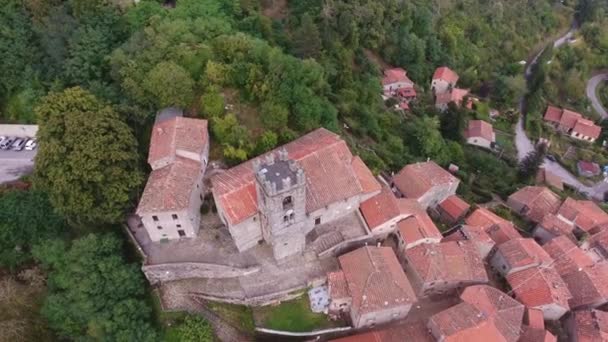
(524, 145)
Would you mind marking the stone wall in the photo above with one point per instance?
(177, 271)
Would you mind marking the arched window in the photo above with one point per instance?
(287, 203)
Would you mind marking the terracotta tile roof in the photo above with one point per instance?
(418, 227)
(446, 74)
(380, 209)
(328, 167)
(480, 129)
(534, 318)
(589, 167)
(556, 226)
(566, 255)
(584, 214)
(407, 93)
(587, 128)
(502, 232)
(410, 331)
(176, 134)
(553, 114)
(539, 200)
(483, 217)
(457, 261)
(549, 178)
(375, 279)
(486, 314)
(169, 188)
(337, 285)
(499, 229)
(455, 207)
(414, 180)
(589, 285)
(568, 119)
(395, 75)
(368, 182)
(539, 286)
(530, 334)
(455, 95)
(590, 326)
(600, 241)
(522, 252)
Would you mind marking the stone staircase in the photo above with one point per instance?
(327, 241)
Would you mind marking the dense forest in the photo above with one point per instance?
(93, 73)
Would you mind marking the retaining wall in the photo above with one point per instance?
(176, 271)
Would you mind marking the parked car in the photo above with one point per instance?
(18, 144)
(31, 144)
(6, 143)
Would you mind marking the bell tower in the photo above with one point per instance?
(281, 193)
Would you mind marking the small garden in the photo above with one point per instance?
(294, 315)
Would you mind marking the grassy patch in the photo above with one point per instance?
(294, 315)
(238, 316)
(507, 143)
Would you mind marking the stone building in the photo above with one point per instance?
(444, 80)
(587, 326)
(169, 207)
(370, 288)
(519, 254)
(534, 202)
(427, 183)
(318, 181)
(480, 133)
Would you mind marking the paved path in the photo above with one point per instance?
(592, 85)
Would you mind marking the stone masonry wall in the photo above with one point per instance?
(176, 271)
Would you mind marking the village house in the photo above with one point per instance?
(444, 80)
(533, 329)
(280, 197)
(597, 246)
(546, 177)
(416, 230)
(453, 209)
(395, 83)
(586, 216)
(437, 269)
(407, 331)
(588, 285)
(485, 314)
(169, 207)
(572, 123)
(588, 169)
(534, 202)
(480, 239)
(541, 288)
(519, 254)
(497, 228)
(587, 326)
(456, 96)
(426, 182)
(370, 288)
(480, 133)
(551, 227)
(567, 256)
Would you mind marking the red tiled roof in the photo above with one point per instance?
(375, 279)
(480, 129)
(499, 229)
(502, 232)
(407, 92)
(590, 326)
(589, 285)
(455, 95)
(584, 214)
(556, 226)
(539, 286)
(457, 261)
(418, 227)
(539, 200)
(569, 119)
(486, 314)
(368, 182)
(534, 318)
(522, 252)
(169, 187)
(380, 209)
(409, 331)
(454, 206)
(446, 74)
(328, 165)
(553, 114)
(587, 128)
(395, 75)
(530, 334)
(177, 134)
(337, 285)
(567, 256)
(600, 240)
(549, 178)
(414, 180)
(587, 166)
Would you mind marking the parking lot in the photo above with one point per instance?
(15, 164)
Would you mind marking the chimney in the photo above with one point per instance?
(283, 154)
(270, 159)
(286, 183)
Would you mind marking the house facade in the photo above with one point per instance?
(480, 133)
(534, 202)
(572, 123)
(169, 207)
(519, 254)
(444, 79)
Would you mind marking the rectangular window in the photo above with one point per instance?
(181, 233)
(317, 221)
(155, 218)
(174, 216)
(159, 227)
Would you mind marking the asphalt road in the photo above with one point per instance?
(592, 85)
(15, 164)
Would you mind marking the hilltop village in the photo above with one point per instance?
(400, 257)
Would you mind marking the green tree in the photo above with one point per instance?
(529, 166)
(266, 142)
(274, 116)
(168, 84)
(427, 138)
(26, 218)
(193, 329)
(212, 102)
(87, 159)
(94, 295)
(306, 38)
